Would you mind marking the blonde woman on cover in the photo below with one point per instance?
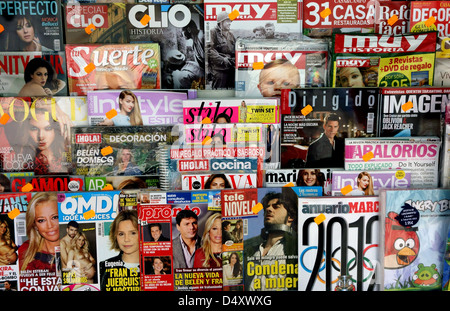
(209, 254)
(364, 185)
(42, 224)
(80, 260)
(8, 248)
(129, 111)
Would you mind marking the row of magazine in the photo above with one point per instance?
(259, 239)
(255, 48)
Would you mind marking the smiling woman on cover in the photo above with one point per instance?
(129, 111)
(364, 184)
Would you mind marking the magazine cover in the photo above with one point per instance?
(446, 273)
(156, 249)
(392, 17)
(220, 180)
(196, 223)
(38, 252)
(413, 238)
(96, 183)
(356, 183)
(95, 23)
(432, 16)
(348, 16)
(136, 107)
(5, 179)
(179, 31)
(74, 107)
(340, 238)
(26, 74)
(419, 155)
(112, 66)
(31, 25)
(412, 111)
(12, 235)
(264, 67)
(315, 119)
(40, 183)
(226, 21)
(445, 153)
(383, 60)
(300, 177)
(115, 150)
(271, 238)
(35, 137)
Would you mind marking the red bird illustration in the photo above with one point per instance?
(401, 243)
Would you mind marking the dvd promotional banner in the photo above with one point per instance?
(31, 25)
(18, 69)
(178, 29)
(419, 155)
(368, 60)
(264, 67)
(148, 107)
(112, 66)
(343, 244)
(334, 114)
(95, 23)
(261, 19)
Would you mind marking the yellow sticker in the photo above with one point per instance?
(206, 120)
(319, 219)
(5, 118)
(107, 150)
(345, 190)
(369, 155)
(400, 174)
(307, 110)
(111, 114)
(89, 214)
(291, 184)
(430, 21)
(258, 65)
(108, 187)
(14, 213)
(89, 29)
(257, 208)
(207, 140)
(392, 20)
(89, 68)
(27, 188)
(325, 13)
(407, 106)
(233, 14)
(145, 19)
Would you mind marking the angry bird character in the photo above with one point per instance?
(427, 277)
(401, 243)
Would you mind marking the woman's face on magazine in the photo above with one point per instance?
(40, 76)
(351, 77)
(309, 177)
(128, 237)
(46, 220)
(127, 104)
(25, 30)
(364, 182)
(41, 132)
(215, 233)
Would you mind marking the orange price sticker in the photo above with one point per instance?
(369, 155)
(345, 190)
(89, 214)
(5, 118)
(307, 110)
(207, 140)
(1, 28)
(430, 21)
(206, 120)
(233, 14)
(291, 184)
(107, 150)
(392, 20)
(27, 188)
(319, 219)
(89, 68)
(407, 106)
(89, 29)
(258, 65)
(257, 208)
(14, 213)
(111, 114)
(145, 19)
(325, 13)
(108, 187)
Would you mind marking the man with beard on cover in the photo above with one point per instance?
(277, 243)
(221, 57)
